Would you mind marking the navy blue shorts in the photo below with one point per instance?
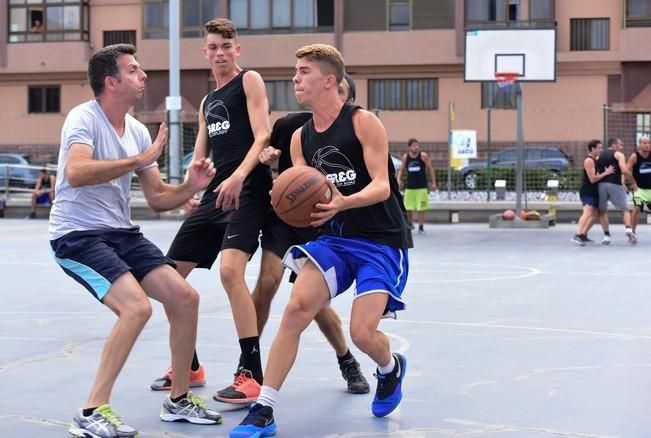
(373, 266)
(97, 258)
(43, 199)
(591, 200)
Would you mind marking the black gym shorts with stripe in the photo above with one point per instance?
(209, 230)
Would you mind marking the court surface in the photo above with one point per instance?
(508, 333)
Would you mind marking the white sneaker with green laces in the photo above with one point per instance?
(104, 422)
(192, 409)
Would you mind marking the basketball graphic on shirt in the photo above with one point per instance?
(217, 118)
(335, 165)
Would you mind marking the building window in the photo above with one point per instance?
(480, 12)
(156, 19)
(281, 96)
(589, 34)
(48, 20)
(119, 37)
(399, 16)
(542, 11)
(403, 94)
(196, 13)
(638, 13)
(44, 99)
(642, 126)
(282, 16)
(493, 96)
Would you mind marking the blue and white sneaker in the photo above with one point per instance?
(389, 388)
(257, 424)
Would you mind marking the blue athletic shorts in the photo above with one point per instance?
(97, 258)
(43, 199)
(591, 200)
(373, 266)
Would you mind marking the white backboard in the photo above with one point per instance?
(529, 52)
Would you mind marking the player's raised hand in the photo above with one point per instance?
(269, 155)
(200, 173)
(152, 153)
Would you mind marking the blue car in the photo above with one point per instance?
(16, 172)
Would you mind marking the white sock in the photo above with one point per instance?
(386, 369)
(268, 396)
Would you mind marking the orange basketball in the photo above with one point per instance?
(508, 215)
(295, 193)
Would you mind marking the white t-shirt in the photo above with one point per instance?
(99, 206)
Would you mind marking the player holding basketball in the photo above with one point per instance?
(364, 236)
(640, 164)
(95, 242)
(234, 125)
(277, 237)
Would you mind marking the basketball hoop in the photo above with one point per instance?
(506, 79)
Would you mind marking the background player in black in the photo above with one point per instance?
(234, 124)
(418, 167)
(589, 192)
(640, 164)
(277, 237)
(43, 191)
(363, 236)
(612, 188)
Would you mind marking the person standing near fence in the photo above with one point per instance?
(612, 188)
(589, 192)
(416, 197)
(640, 164)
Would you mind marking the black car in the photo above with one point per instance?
(553, 159)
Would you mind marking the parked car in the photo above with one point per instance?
(553, 159)
(397, 161)
(19, 172)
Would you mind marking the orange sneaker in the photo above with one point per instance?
(245, 389)
(197, 378)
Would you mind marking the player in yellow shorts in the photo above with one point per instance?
(417, 188)
(640, 164)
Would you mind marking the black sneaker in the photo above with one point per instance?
(352, 374)
(586, 239)
(258, 423)
(577, 240)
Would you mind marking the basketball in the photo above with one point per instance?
(295, 193)
(508, 215)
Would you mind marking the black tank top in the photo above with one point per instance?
(589, 188)
(642, 171)
(230, 136)
(416, 177)
(281, 136)
(45, 182)
(337, 153)
(607, 158)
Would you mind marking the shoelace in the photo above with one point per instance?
(240, 379)
(109, 415)
(351, 370)
(383, 385)
(195, 400)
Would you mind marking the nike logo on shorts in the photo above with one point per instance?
(230, 236)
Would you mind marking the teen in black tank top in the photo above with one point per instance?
(338, 154)
(607, 158)
(229, 132)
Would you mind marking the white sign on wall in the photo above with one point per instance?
(464, 143)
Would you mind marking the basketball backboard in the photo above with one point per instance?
(531, 53)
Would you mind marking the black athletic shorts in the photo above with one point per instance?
(277, 236)
(209, 230)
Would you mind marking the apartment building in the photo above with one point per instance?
(405, 55)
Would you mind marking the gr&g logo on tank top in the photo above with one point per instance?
(217, 118)
(335, 166)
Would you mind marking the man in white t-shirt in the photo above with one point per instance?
(95, 242)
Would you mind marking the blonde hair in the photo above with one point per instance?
(327, 56)
(221, 26)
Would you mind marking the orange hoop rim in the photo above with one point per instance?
(506, 77)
